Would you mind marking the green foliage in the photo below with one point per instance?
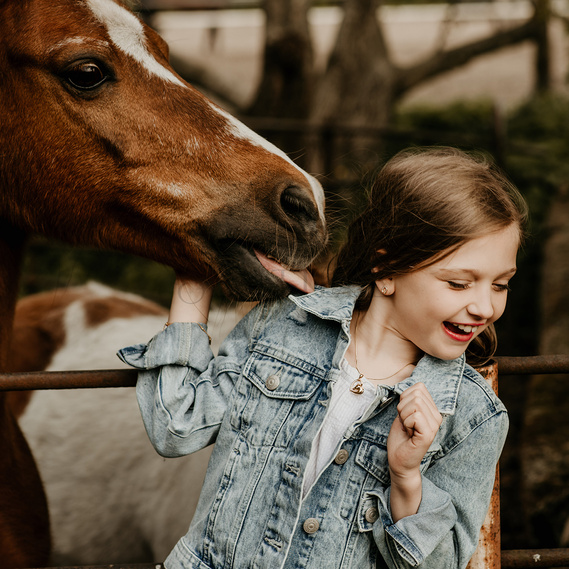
(51, 265)
(536, 160)
(539, 131)
(460, 117)
(531, 144)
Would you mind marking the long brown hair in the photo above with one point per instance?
(423, 205)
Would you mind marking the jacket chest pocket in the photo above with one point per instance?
(274, 400)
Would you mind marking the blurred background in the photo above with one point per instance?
(341, 87)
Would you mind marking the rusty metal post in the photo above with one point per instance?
(487, 554)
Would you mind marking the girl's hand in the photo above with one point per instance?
(410, 437)
(190, 301)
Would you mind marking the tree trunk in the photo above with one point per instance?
(543, 56)
(359, 71)
(287, 61)
(285, 88)
(356, 90)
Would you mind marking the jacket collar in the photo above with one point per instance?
(441, 377)
(335, 303)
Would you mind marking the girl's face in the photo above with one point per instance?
(442, 307)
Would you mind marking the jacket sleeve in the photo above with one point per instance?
(182, 389)
(457, 488)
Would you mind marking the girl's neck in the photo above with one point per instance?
(377, 350)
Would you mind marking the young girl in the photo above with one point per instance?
(350, 433)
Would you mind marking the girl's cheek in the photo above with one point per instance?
(499, 311)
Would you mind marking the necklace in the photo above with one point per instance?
(357, 385)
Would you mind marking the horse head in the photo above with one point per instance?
(104, 144)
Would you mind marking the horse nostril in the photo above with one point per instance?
(298, 205)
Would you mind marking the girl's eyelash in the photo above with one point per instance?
(458, 286)
(463, 286)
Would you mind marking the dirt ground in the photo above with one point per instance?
(230, 42)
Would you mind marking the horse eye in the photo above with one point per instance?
(86, 76)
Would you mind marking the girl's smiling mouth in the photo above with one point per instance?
(460, 332)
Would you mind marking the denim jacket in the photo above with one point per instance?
(262, 401)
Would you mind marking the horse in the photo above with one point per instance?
(103, 144)
(112, 498)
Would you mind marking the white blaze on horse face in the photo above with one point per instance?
(244, 132)
(127, 33)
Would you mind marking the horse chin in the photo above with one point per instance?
(243, 278)
(240, 289)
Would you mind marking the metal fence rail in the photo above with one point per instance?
(522, 558)
(26, 381)
(30, 380)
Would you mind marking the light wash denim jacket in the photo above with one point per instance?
(262, 401)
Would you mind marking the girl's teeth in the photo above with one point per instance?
(465, 328)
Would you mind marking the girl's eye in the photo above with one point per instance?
(501, 287)
(457, 286)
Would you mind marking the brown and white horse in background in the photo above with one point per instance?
(103, 144)
(112, 498)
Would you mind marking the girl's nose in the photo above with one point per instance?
(481, 306)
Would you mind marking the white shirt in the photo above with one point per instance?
(344, 409)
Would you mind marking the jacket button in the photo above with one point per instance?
(342, 456)
(311, 525)
(272, 382)
(372, 515)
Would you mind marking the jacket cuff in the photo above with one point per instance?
(175, 345)
(415, 537)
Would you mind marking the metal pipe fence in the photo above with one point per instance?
(26, 381)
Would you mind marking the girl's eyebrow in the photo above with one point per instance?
(473, 273)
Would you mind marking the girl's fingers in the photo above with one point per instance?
(413, 430)
(421, 412)
(418, 412)
(419, 424)
(418, 395)
(419, 405)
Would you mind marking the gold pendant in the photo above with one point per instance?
(357, 386)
